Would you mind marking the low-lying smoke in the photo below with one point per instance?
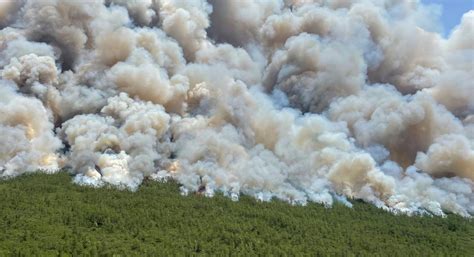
(303, 101)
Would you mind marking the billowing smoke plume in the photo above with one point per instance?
(299, 100)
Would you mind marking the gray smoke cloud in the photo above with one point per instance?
(299, 100)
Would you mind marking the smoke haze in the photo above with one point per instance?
(299, 100)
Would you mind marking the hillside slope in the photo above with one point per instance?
(47, 215)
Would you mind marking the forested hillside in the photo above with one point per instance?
(46, 215)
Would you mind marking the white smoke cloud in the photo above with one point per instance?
(28, 142)
(304, 101)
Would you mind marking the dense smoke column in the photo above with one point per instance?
(304, 101)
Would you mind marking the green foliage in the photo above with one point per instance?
(47, 215)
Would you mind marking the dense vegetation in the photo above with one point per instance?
(46, 215)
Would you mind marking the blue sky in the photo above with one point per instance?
(452, 11)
